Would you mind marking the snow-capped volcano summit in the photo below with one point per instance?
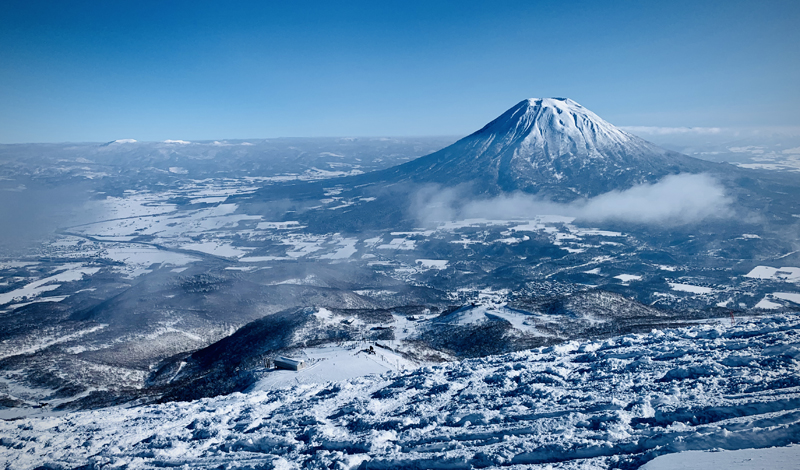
(550, 145)
(557, 125)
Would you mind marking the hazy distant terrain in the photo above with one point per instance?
(766, 148)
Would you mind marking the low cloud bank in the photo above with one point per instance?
(651, 130)
(675, 200)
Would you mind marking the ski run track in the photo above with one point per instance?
(614, 403)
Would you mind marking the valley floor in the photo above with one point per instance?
(614, 403)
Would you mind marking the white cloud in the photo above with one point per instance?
(653, 130)
(675, 200)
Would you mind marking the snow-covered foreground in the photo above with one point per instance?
(773, 458)
(616, 403)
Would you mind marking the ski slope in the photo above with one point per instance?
(614, 403)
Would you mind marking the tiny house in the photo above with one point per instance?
(288, 363)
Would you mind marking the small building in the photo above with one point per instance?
(288, 363)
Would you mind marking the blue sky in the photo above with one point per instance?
(104, 70)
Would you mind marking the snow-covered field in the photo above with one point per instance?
(690, 288)
(69, 272)
(333, 363)
(615, 403)
(789, 274)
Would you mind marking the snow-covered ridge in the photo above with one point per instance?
(613, 403)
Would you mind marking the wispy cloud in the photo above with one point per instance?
(675, 200)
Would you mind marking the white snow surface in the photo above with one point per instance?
(766, 304)
(559, 126)
(71, 272)
(614, 403)
(433, 263)
(216, 248)
(789, 274)
(790, 296)
(557, 122)
(773, 458)
(690, 288)
(486, 312)
(332, 363)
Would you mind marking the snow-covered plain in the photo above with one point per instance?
(614, 403)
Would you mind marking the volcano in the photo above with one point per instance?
(552, 146)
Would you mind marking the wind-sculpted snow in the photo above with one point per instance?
(615, 403)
